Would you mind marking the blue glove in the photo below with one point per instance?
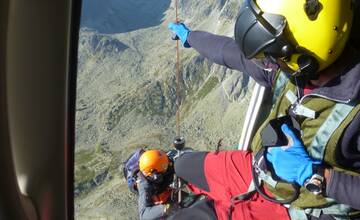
(181, 32)
(291, 163)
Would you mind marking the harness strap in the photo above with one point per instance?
(338, 114)
(298, 108)
(301, 214)
(267, 178)
(241, 197)
(317, 151)
(332, 210)
(279, 86)
(332, 122)
(297, 214)
(317, 148)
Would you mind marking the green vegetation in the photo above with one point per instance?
(209, 85)
(127, 99)
(84, 156)
(82, 171)
(90, 163)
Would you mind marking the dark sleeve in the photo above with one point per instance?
(344, 189)
(348, 153)
(147, 210)
(224, 51)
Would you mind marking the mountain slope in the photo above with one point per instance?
(126, 93)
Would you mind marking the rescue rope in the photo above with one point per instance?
(178, 104)
(178, 101)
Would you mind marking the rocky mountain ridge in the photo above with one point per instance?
(126, 95)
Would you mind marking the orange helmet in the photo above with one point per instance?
(153, 161)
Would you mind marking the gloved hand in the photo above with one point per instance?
(291, 163)
(181, 32)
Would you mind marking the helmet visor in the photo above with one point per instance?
(257, 31)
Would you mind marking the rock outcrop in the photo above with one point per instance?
(126, 95)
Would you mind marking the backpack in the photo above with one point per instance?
(131, 168)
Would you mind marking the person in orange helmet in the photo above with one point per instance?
(149, 174)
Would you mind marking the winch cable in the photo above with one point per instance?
(179, 141)
(178, 101)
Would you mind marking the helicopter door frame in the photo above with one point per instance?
(38, 65)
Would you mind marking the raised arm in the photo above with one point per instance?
(224, 51)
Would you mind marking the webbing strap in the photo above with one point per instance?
(244, 196)
(297, 214)
(279, 86)
(241, 197)
(258, 162)
(267, 178)
(291, 97)
(332, 122)
(317, 150)
(333, 210)
(251, 186)
(299, 109)
(337, 211)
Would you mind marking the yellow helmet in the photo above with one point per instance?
(153, 162)
(308, 35)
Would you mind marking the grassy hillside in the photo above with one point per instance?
(126, 94)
